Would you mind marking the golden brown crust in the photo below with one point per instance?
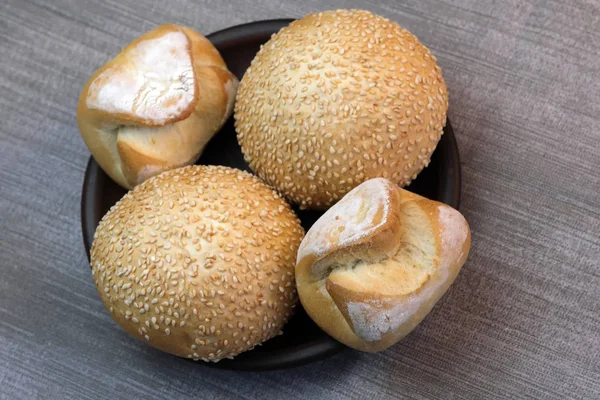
(206, 55)
(122, 63)
(370, 303)
(195, 109)
(133, 162)
(380, 242)
(337, 98)
(198, 262)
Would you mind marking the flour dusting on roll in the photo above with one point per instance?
(371, 288)
(155, 106)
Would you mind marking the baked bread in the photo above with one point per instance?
(372, 267)
(156, 104)
(337, 98)
(199, 262)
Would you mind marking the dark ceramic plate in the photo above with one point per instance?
(303, 341)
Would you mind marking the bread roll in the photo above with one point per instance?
(156, 104)
(337, 98)
(199, 262)
(372, 267)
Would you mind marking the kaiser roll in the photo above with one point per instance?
(198, 262)
(155, 106)
(337, 98)
(372, 267)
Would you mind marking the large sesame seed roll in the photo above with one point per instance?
(337, 98)
(199, 262)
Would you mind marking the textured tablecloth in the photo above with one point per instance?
(522, 319)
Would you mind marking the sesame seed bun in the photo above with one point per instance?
(199, 262)
(337, 98)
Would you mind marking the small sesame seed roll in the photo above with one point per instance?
(334, 87)
(195, 278)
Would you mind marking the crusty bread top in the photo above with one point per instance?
(155, 106)
(365, 222)
(151, 82)
(370, 288)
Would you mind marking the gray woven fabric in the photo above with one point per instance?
(522, 319)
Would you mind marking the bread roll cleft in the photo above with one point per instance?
(374, 265)
(155, 106)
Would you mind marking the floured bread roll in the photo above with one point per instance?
(155, 106)
(372, 267)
